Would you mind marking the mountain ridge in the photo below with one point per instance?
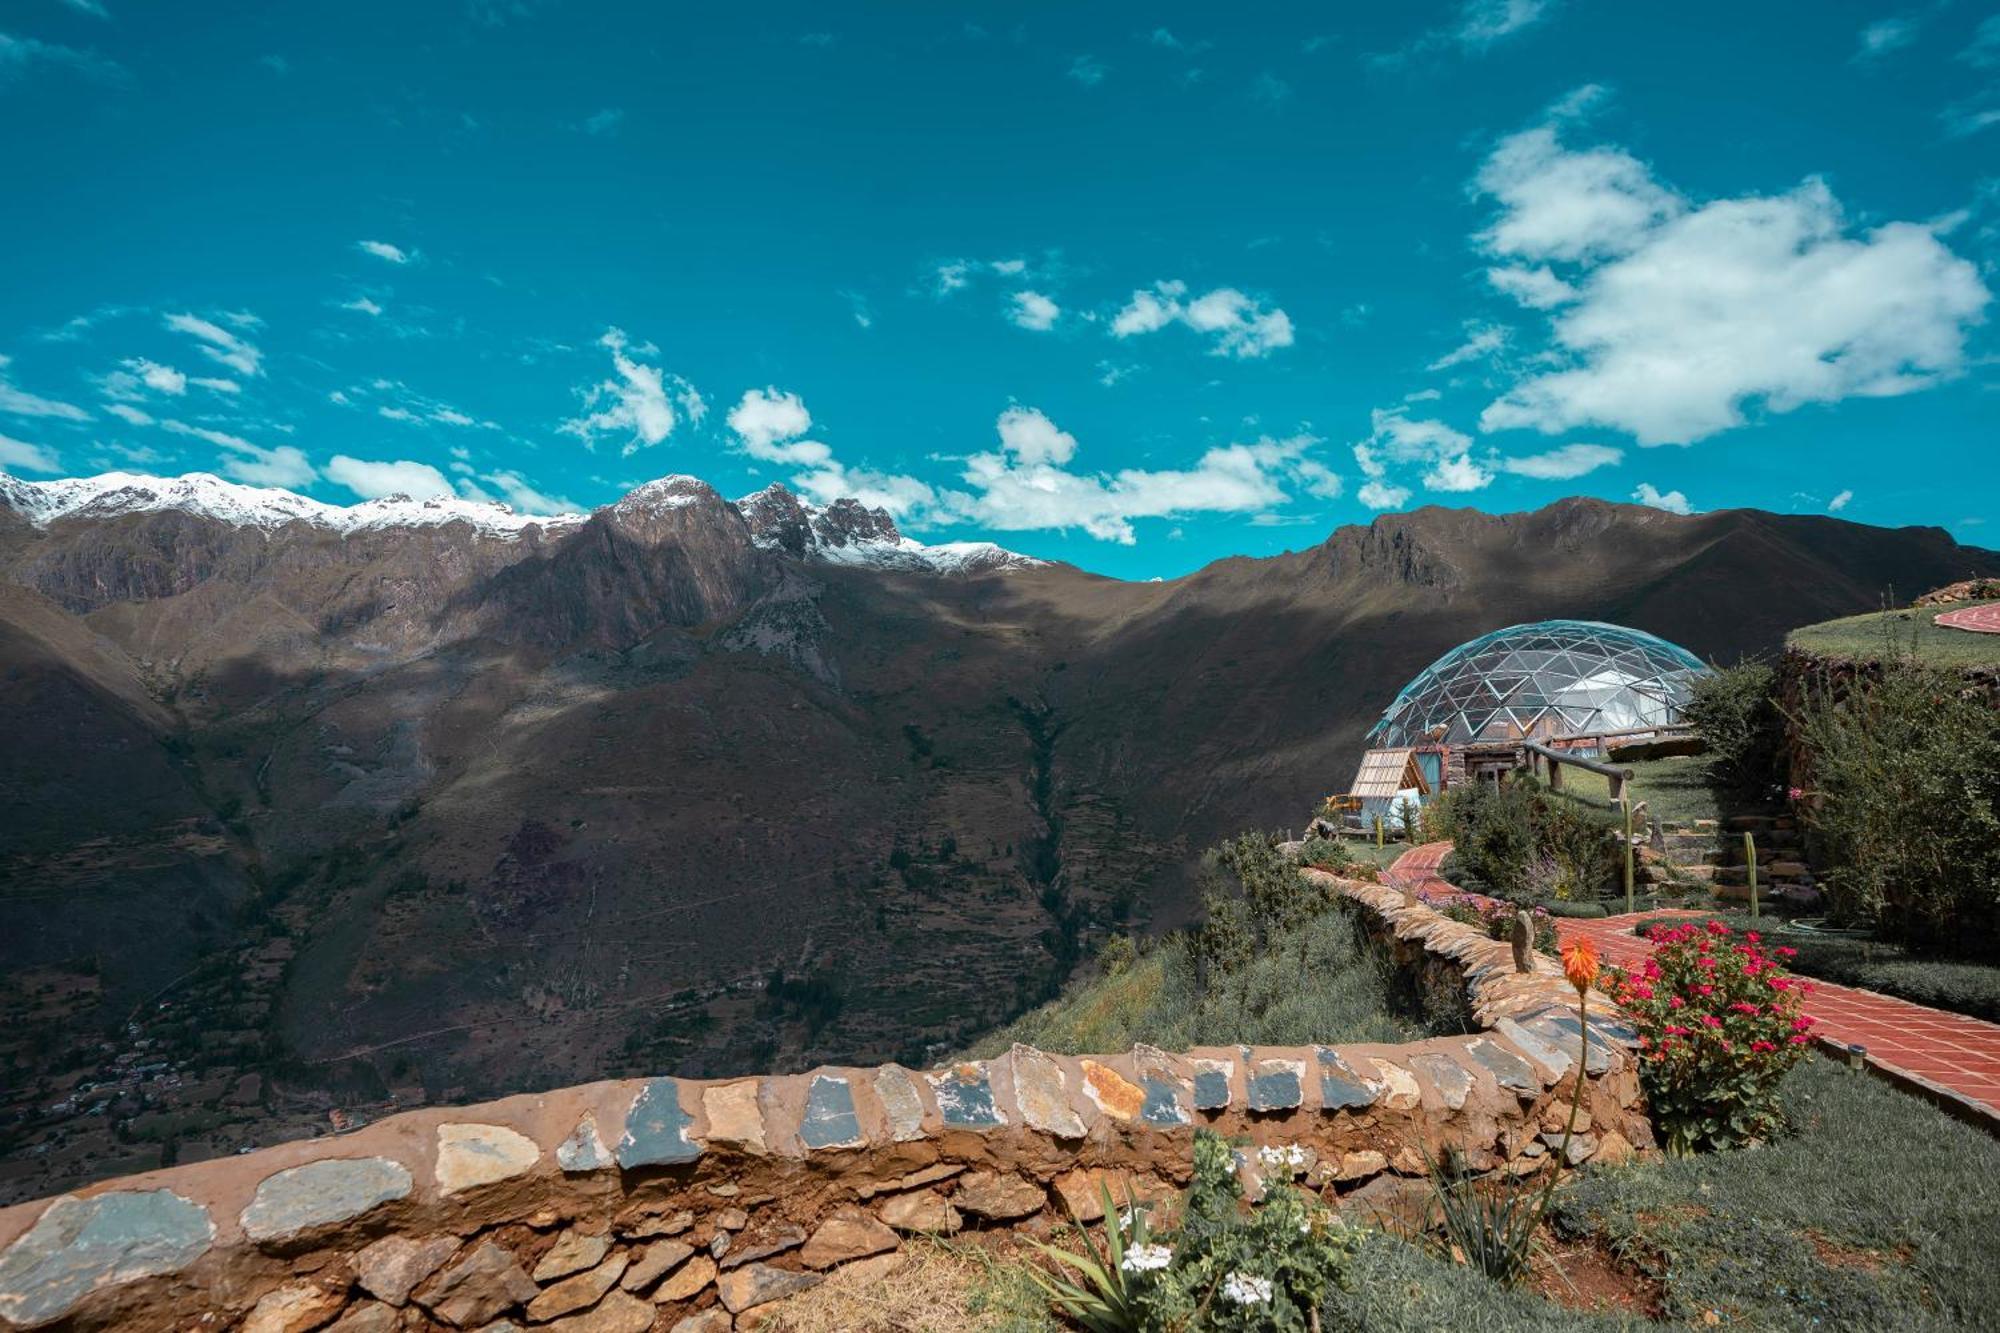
(648, 793)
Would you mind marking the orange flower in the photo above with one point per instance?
(1580, 965)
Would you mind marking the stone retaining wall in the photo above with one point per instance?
(674, 1204)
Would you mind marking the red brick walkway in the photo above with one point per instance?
(1978, 619)
(1948, 1056)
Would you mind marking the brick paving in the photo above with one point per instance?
(1978, 619)
(1947, 1055)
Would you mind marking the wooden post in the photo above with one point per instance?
(1630, 905)
(1555, 773)
(1617, 782)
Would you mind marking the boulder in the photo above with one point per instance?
(998, 1197)
(848, 1234)
(390, 1269)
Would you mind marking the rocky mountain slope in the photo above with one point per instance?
(354, 809)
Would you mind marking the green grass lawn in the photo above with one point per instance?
(1869, 637)
(1675, 788)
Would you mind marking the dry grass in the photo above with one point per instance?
(940, 1287)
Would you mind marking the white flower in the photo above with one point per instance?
(1289, 1158)
(1242, 1289)
(1146, 1258)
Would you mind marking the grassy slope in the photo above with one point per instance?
(1865, 638)
(1157, 1000)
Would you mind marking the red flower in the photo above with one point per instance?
(1762, 1046)
(1580, 965)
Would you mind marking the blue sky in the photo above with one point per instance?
(1133, 287)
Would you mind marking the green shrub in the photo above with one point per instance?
(1904, 808)
(1736, 712)
(1518, 840)
(1719, 1022)
(1223, 1267)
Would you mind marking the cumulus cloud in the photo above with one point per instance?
(20, 403)
(1839, 502)
(1034, 311)
(1396, 438)
(219, 344)
(373, 480)
(362, 305)
(1536, 288)
(26, 457)
(1564, 464)
(1484, 22)
(284, 466)
(1378, 494)
(1027, 484)
(158, 378)
(639, 403)
(394, 254)
(769, 423)
(1235, 324)
(1672, 501)
(1674, 314)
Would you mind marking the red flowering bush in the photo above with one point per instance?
(1720, 1021)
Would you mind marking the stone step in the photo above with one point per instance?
(1782, 872)
(1759, 823)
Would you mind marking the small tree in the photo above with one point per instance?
(1736, 712)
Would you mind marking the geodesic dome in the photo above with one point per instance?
(1551, 678)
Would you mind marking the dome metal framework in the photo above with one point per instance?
(1544, 680)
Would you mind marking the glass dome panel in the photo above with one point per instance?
(1550, 678)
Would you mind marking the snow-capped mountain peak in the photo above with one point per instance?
(847, 532)
(208, 496)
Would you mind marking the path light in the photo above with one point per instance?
(1857, 1056)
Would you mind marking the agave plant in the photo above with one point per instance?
(1103, 1295)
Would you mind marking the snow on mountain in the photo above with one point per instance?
(209, 496)
(847, 532)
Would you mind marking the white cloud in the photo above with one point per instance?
(1087, 71)
(769, 422)
(1685, 312)
(26, 457)
(391, 412)
(1237, 325)
(215, 385)
(1030, 436)
(284, 466)
(90, 7)
(1026, 485)
(639, 404)
(902, 496)
(1032, 310)
(1484, 22)
(1885, 35)
(952, 275)
(1839, 502)
(1381, 495)
(373, 480)
(21, 403)
(362, 305)
(1536, 288)
(394, 254)
(1458, 474)
(1397, 438)
(1984, 52)
(1564, 464)
(158, 378)
(604, 122)
(1481, 342)
(17, 53)
(129, 414)
(219, 344)
(1672, 501)
(523, 495)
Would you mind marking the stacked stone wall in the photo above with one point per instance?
(698, 1206)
